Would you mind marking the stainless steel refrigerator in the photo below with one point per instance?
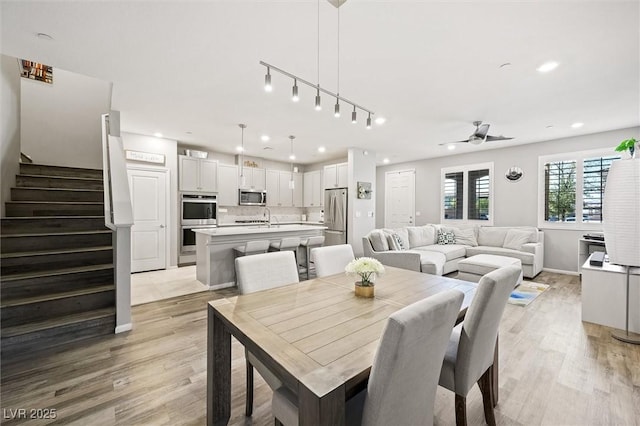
(335, 216)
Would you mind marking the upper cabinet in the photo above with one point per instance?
(335, 176)
(228, 178)
(279, 192)
(254, 177)
(198, 174)
(313, 189)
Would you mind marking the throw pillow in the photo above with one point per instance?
(446, 237)
(378, 240)
(515, 238)
(492, 236)
(403, 234)
(465, 237)
(395, 242)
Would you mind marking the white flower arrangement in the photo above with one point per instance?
(366, 268)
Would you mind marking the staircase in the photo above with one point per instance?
(56, 270)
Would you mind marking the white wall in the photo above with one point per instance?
(361, 219)
(168, 148)
(61, 121)
(515, 203)
(10, 126)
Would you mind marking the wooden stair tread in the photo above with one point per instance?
(65, 203)
(62, 271)
(12, 218)
(58, 251)
(57, 322)
(56, 296)
(61, 167)
(28, 188)
(59, 177)
(57, 234)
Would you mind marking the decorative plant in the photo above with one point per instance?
(628, 144)
(366, 268)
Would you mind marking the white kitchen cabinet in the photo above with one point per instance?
(313, 189)
(336, 176)
(279, 194)
(198, 174)
(228, 188)
(254, 178)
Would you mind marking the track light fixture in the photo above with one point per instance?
(319, 89)
(369, 122)
(267, 81)
(294, 96)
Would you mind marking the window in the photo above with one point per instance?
(572, 188)
(467, 193)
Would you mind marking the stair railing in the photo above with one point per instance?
(119, 218)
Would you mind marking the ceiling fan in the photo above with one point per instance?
(480, 135)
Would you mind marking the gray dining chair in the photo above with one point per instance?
(404, 375)
(470, 354)
(331, 260)
(262, 272)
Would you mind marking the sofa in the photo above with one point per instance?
(437, 249)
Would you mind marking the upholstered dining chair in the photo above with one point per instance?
(262, 272)
(404, 375)
(331, 260)
(470, 354)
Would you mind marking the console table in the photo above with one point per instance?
(586, 248)
(604, 295)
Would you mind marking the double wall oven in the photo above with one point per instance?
(197, 211)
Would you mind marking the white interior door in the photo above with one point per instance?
(400, 199)
(149, 231)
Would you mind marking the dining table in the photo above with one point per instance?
(316, 336)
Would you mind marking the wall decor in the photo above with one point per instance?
(364, 190)
(145, 157)
(514, 174)
(36, 71)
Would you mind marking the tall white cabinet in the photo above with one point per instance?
(228, 188)
(313, 189)
(198, 174)
(336, 176)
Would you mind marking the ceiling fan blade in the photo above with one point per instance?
(448, 143)
(481, 131)
(497, 138)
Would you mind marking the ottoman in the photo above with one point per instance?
(474, 267)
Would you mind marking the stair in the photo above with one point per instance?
(56, 260)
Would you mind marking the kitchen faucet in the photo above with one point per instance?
(266, 210)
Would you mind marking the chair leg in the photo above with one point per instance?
(249, 390)
(461, 410)
(494, 375)
(486, 387)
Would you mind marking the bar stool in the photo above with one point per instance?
(308, 244)
(288, 243)
(252, 247)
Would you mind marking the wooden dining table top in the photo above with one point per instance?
(317, 333)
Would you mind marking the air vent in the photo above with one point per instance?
(267, 147)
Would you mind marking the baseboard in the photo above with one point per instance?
(561, 271)
(124, 327)
(223, 285)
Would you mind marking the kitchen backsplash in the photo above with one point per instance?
(278, 214)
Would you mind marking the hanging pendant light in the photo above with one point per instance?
(267, 81)
(243, 181)
(294, 96)
(292, 157)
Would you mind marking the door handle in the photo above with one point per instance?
(161, 226)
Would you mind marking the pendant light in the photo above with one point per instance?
(336, 110)
(294, 95)
(292, 157)
(243, 181)
(267, 81)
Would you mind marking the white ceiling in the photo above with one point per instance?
(430, 68)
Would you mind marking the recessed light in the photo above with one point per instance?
(548, 66)
(506, 64)
(321, 149)
(267, 147)
(264, 138)
(292, 157)
(549, 126)
(451, 147)
(385, 161)
(577, 125)
(157, 134)
(380, 120)
(239, 148)
(189, 133)
(44, 36)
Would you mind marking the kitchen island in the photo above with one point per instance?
(215, 258)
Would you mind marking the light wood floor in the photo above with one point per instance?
(554, 370)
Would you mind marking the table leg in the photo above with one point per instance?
(494, 375)
(328, 410)
(218, 371)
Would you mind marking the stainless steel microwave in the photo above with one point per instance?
(252, 197)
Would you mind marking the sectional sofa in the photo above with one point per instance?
(437, 249)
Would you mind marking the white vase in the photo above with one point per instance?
(621, 212)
